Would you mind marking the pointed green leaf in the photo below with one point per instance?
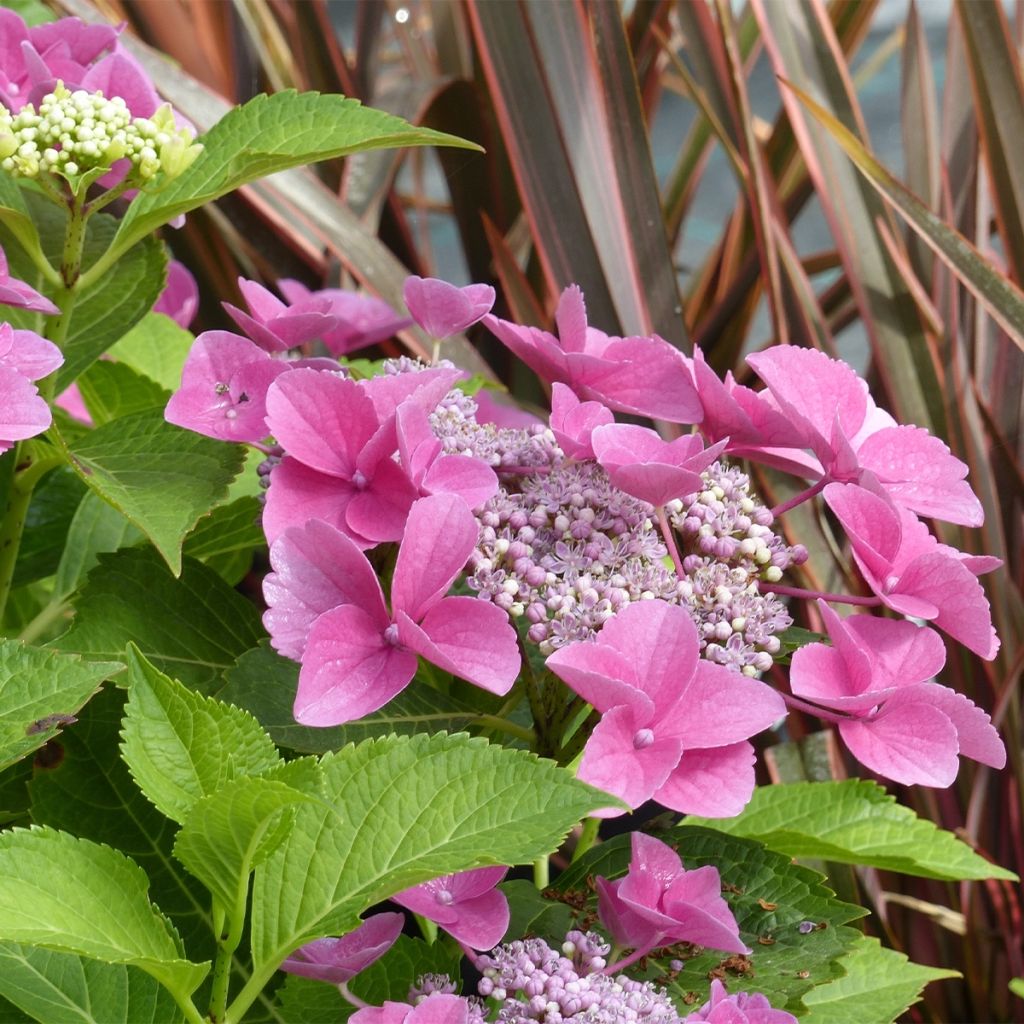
(227, 834)
(266, 135)
(59, 988)
(76, 896)
(853, 822)
(879, 985)
(264, 683)
(770, 897)
(162, 478)
(46, 526)
(96, 528)
(192, 628)
(181, 746)
(226, 539)
(112, 390)
(996, 292)
(40, 691)
(156, 347)
(404, 810)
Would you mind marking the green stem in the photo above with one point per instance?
(542, 873)
(188, 1008)
(227, 943)
(428, 928)
(521, 732)
(588, 836)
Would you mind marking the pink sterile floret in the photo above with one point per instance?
(223, 391)
(659, 902)
(276, 326)
(466, 905)
(436, 1008)
(20, 295)
(911, 571)
(901, 725)
(180, 298)
(339, 960)
(739, 1008)
(674, 726)
(646, 376)
(832, 414)
(356, 656)
(24, 357)
(442, 309)
(640, 463)
(339, 436)
(362, 320)
(573, 422)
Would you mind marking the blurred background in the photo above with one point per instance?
(649, 151)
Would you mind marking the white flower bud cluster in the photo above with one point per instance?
(74, 133)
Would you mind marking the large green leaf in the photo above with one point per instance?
(226, 539)
(233, 830)
(162, 478)
(879, 985)
(60, 988)
(181, 746)
(853, 822)
(193, 627)
(266, 135)
(404, 810)
(264, 683)
(40, 691)
(156, 347)
(46, 526)
(75, 896)
(113, 390)
(992, 289)
(770, 897)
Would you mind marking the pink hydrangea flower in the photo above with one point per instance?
(646, 376)
(442, 309)
(276, 326)
(20, 295)
(360, 320)
(24, 357)
(357, 655)
(911, 571)
(223, 391)
(573, 422)
(466, 905)
(740, 1008)
(659, 902)
(339, 960)
(640, 463)
(901, 725)
(674, 726)
(832, 414)
(339, 436)
(180, 298)
(436, 1008)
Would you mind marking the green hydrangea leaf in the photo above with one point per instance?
(157, 348)
(226, 539)
(854, 822)
(878, 987)
(404, 810)
(162, 478)
(40, 692)
(75, 896)
(49, 518)
(181, 746)
(60, 988)
(193, 627)
(770, 897)
(112, 390)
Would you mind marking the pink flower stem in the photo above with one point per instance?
(618, 965)
(670, 540)
(779, 588)
(351, 997)
(472, 956)
(811, 709)
(799, 499)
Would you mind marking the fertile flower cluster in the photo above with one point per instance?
(73, 133)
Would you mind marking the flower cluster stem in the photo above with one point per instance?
(588, 836)
(670, 541)
(799, 499)
(811, 595)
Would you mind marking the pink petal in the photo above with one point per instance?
(715, 783)
(601, 676)
(614, 762)
(976, 736)
(856, 672)
(322, 420)
(538, 349)
(573, 421)
(316, 568)
(820, 673)
(348, 669)
(502, 414)
(418, 446)
(482, 921)
(298, 494)
(180, 298)
(921, 474)
(695, 899)
(900, 652)
(22, 412)
(470, 638)
(339, 960)
(380, 511)
(723, 416)
(442, 309)
(872, 526)
(426, 388)
(626, 927)
(25, 351)
(119, 75)
(470, 478)
(914, 744)
(571, 319)
(440, 535)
